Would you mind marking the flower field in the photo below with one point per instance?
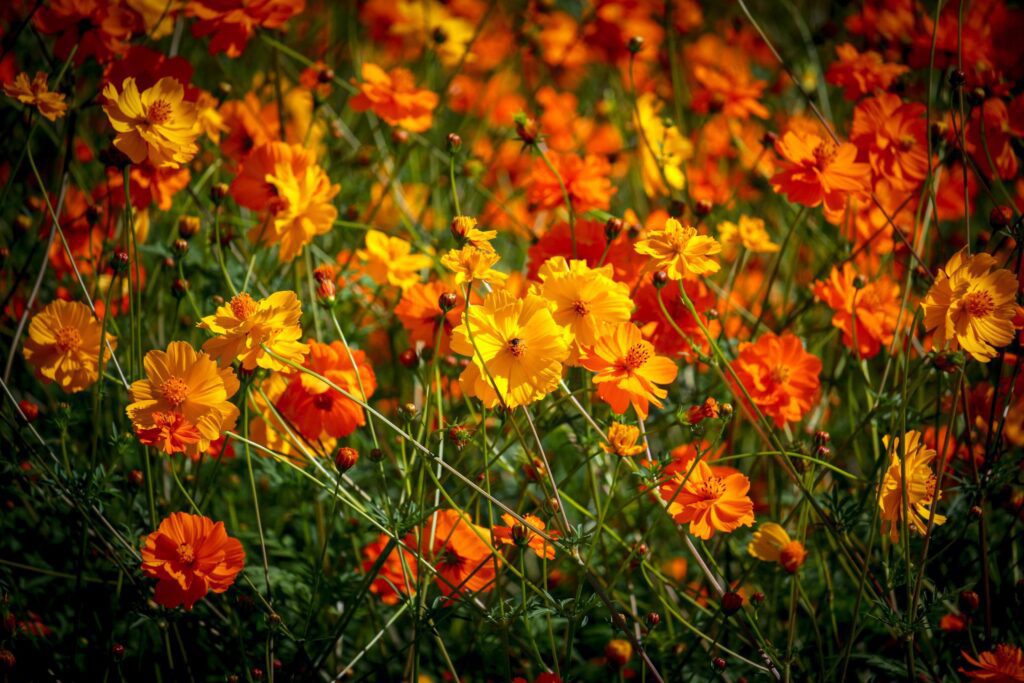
(511, 340)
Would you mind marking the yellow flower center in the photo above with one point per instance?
(978, 304)
(68, 339)
(242, 305)
(711, 488)
(637, 355)
(186, 555)
(516, 346)
(158, 112)
(580, 308)
(824, 153)
(174, 391)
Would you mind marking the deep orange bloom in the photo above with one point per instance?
(233, 23)
(891, 136)
(98, 29)
(398, 572)
(722, 79)
(628, 371)
(991, 129)
(394, 97)
(1004, 664)
(862, 73)
(817, 171)
(314, 408)
(170, 433)
(419, 311)
(780, 376)
(64, 345)
(514, 533)
(455, 547)
(190, 556)
(867, 315)
(709, 501)
(585, 179)
(656, 327)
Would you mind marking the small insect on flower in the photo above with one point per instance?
(63, 345)
(771, 543)
(36, 93)
(678, 250)
(190, 556)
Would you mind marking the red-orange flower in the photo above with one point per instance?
(394, 97)
(865, 311)
(97, 29)
(862, 73)
(628, 371)
(419, 311)
(817, 171)
(585, 179)
(709, 501)
(456, 549)
(233, 23)
(397, 574)
(190, 556)
(515, 533)
(891, 137)
(1004, 664)
(780, 376)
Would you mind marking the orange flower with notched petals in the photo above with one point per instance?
(865, 311)
(398, 571)
(1004, 664)
(36, 93)
(709, 501)
(455, 547)
(628, 371)
(679, 251)
(244, 326)
(190, 556)
(622, 440)
(232, 23)
(157, 124)
(780, 376)
(63, 345)
(585, 179)
(419, 311)
(909, 474)
(862, 73)
(394, 97)
(819, 172)
(515, 533)
(771, 543)
(891, 136)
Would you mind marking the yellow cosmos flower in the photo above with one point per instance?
(971, 305)
(63, 345)
(243, 326)
(36, 93)
(679, 251)
(465, 230)
(473, 263)
(749, 233)
(622, 440)
(389, 260)
(771, 543)
(187, 386)
(920, 486)
(586, 300)
(519, 349)
(663, 149)
(157, 123)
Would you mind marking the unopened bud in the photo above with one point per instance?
(346, 458)
(612, 227)
(188, 227)
(218, 192)
(454, 142)
(447, 301)
(636, 43)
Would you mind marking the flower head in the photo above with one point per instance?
(780, 376)
(622, 440)
(748, 233)
(232, 24)
(892, 136)
(36, 93)
(867, 315)
(244, 326)
(473, 263)
(181, 381)
(455, 547)
(663, 149)
(157, 124)
(514, 533)
(911, 456)
(628, 371)
(464, 228)
(971, 304)
(771, 543)
(585, 181)
(708, 500)
(862, 73)
(1004, 664)
(190, 556)
(817, 171)
(397, 574)
(679, 251)
(63, 345)
(389, 260)
(394, 97)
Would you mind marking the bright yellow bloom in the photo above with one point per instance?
(473, 263)
(305, 210)
(243, 326)
(209, 118)
(663, 149)
(971, 305)
(390, 261)
(465, 230)
(157, 123)
(679, 251)
(920, 485)
(622, 440)
(750, 234)
(36, 93)
(771, 543)
(188, 386)
(586, 300)
(63, 345)
(519, 349)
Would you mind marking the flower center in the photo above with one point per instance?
(186, 555)
(906, 142)
(780, 374)
(450, 558)
(158, 112)
(68, 339)
(711, 488)
(242, 305)
(516, 346)
(978, 304)
(323, 401)
(174, 391)
(637, 355)
(580, 308)
(824, 153)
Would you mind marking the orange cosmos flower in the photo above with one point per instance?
(190, 556)
(972, 305)
(817, 171)
(862, 73)
(891, 136)
(585, 179)
(389, 260)
(622, 440)
(394, 97)
(63, 345)
(244, 326)
(656, 326)
(771, 543)
(1004, 664)
(171, 433)
(36, 93)
(232, 24)
(866, 312)
(679, 251)
(709, 501)
(780, 376)
(183, 381)
(515, 533)
(295, 191)
(420, 313)
(97, 29)
(313, 407)
(912, 458)
(397, 575)
(628, 371)
(157, 124)
(454, 546)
